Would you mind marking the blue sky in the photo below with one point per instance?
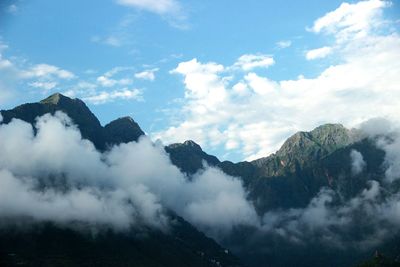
(238, 77)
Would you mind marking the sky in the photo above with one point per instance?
(237, 77)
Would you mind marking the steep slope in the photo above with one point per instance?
(303, 149)
(295, 190)
(46, 244)
(119, 131)
(189, 157)
(49, 245)
(122, 130)
(292, 176)
(76, 109)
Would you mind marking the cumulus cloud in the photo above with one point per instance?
(357, 162)
(249, 61)
(351, 20)
(68, 182)
(318, 53)
(259, 112)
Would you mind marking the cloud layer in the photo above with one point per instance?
(67, 181)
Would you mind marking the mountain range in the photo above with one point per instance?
(284, 183)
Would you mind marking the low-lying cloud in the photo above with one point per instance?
(328, 218)
(357, 162)
(55, 175)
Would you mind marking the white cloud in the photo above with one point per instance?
(47, 71)
(318, 53)
(357, 162)
(331, 224)
(43, 85)
(105, 96)
(387, 136)
(156, 6)
(351, 20)
(68, 182)
(284, 44)
(257, 113)
(108, 82)
(5, 63)
(147, 74)
(118, 189)
(249, 61)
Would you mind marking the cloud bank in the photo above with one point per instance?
(66, 181)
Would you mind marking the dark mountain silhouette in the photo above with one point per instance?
(118, 131)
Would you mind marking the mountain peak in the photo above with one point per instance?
(303, 148)
(193, 144)
(327, 137)
(189, 157)
(126, 119)
(122, 130)
(54, 99)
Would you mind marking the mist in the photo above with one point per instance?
(56, 176)
(357, 162)
(333, 221)
(53, 175)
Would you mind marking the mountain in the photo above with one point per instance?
(122, 130)
(289, 179)
(293, 175)
(47, 244)
(118, 131)
(379, 260)
(189, 157)
(284, 182)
